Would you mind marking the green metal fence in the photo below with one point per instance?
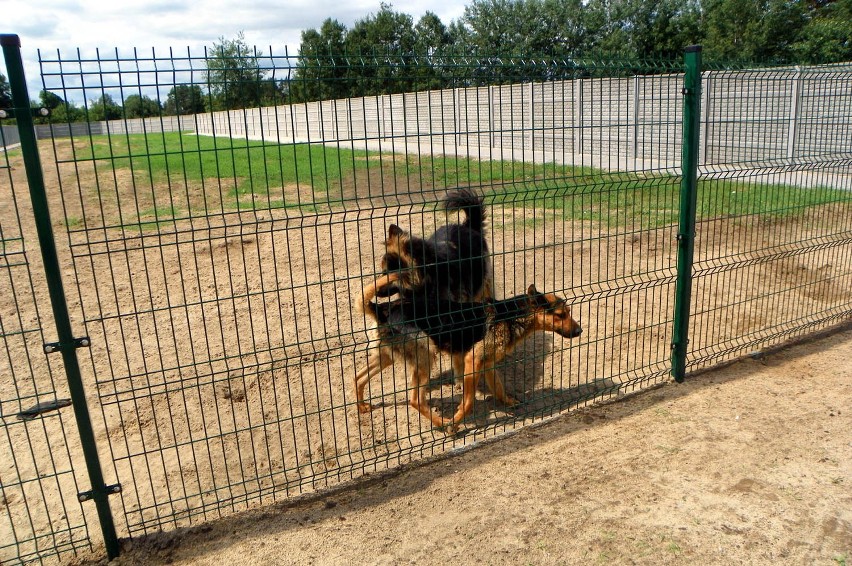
(213, 260)
(39, 514)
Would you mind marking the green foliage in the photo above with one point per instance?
(526, 27)
(66, 113)
(184, 99)
(104, 108)
(50, 100)
(827, 36)
(322, 69)
(387, 38)
(5, 92)
(141, 106)
(639, 28)
(384, 53)
(753, 30)
(235, 78)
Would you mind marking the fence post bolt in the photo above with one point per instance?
(67, 344)
(688, 195)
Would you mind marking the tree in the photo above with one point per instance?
(234, 76)
(827, 36)
(643, 28)
(141, 106)
(525, 27)
(5, 92)
(104, 108)
(384, 43)
(431, 36)
(524, 34)
(322, 70)
(184, 99)
(67, 113)
(50, 100)
(432, 41)
(753, 30)
(273, 92)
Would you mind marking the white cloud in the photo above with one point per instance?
(65, 26)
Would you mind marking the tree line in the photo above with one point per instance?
(542, 39)
(494, 41)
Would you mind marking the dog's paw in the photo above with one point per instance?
(510, 401)
(365, 408)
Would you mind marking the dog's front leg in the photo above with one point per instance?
(495, 384)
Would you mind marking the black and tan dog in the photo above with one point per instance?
(417, 326)
(453, 263)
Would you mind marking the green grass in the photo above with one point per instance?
(256, 172)
(253, 166)
(157, 217)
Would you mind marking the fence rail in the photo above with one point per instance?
(214, 264)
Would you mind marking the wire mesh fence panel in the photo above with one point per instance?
(218, 245)
(778, 161)
(40, 515)
(219, 259)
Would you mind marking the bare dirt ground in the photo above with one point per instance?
(218, 379)
(750, 464)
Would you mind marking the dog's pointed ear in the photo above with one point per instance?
(395, 231)
(531, 291)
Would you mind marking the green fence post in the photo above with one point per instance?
(688, 193)
(67, 344)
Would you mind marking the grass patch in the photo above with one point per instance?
(648, 201)
(73, 222)
(155, 218)
(248, 175)
(253, 166)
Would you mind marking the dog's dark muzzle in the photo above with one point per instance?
(571, 332)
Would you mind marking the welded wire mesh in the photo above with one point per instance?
(39, 512)
(219, 257)
(216, 251)
(777, 158)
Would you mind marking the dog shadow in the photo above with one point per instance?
(533, 377)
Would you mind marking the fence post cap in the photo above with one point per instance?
(10, 40)
(693, 49)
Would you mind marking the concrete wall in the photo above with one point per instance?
(764, 116)
(79, 129)
(626, 123)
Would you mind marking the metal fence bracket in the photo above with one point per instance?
(82, 342)
(84, 496)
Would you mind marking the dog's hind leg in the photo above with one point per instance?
(420, 357)
(377, 360)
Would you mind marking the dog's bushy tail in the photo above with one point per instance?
(471, 203)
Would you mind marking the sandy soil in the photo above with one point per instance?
(750, 464)
(218, 379)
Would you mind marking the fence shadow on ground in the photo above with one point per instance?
(334, 504)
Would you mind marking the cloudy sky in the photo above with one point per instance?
(66, 25)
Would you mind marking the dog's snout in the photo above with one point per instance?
(575, 332)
